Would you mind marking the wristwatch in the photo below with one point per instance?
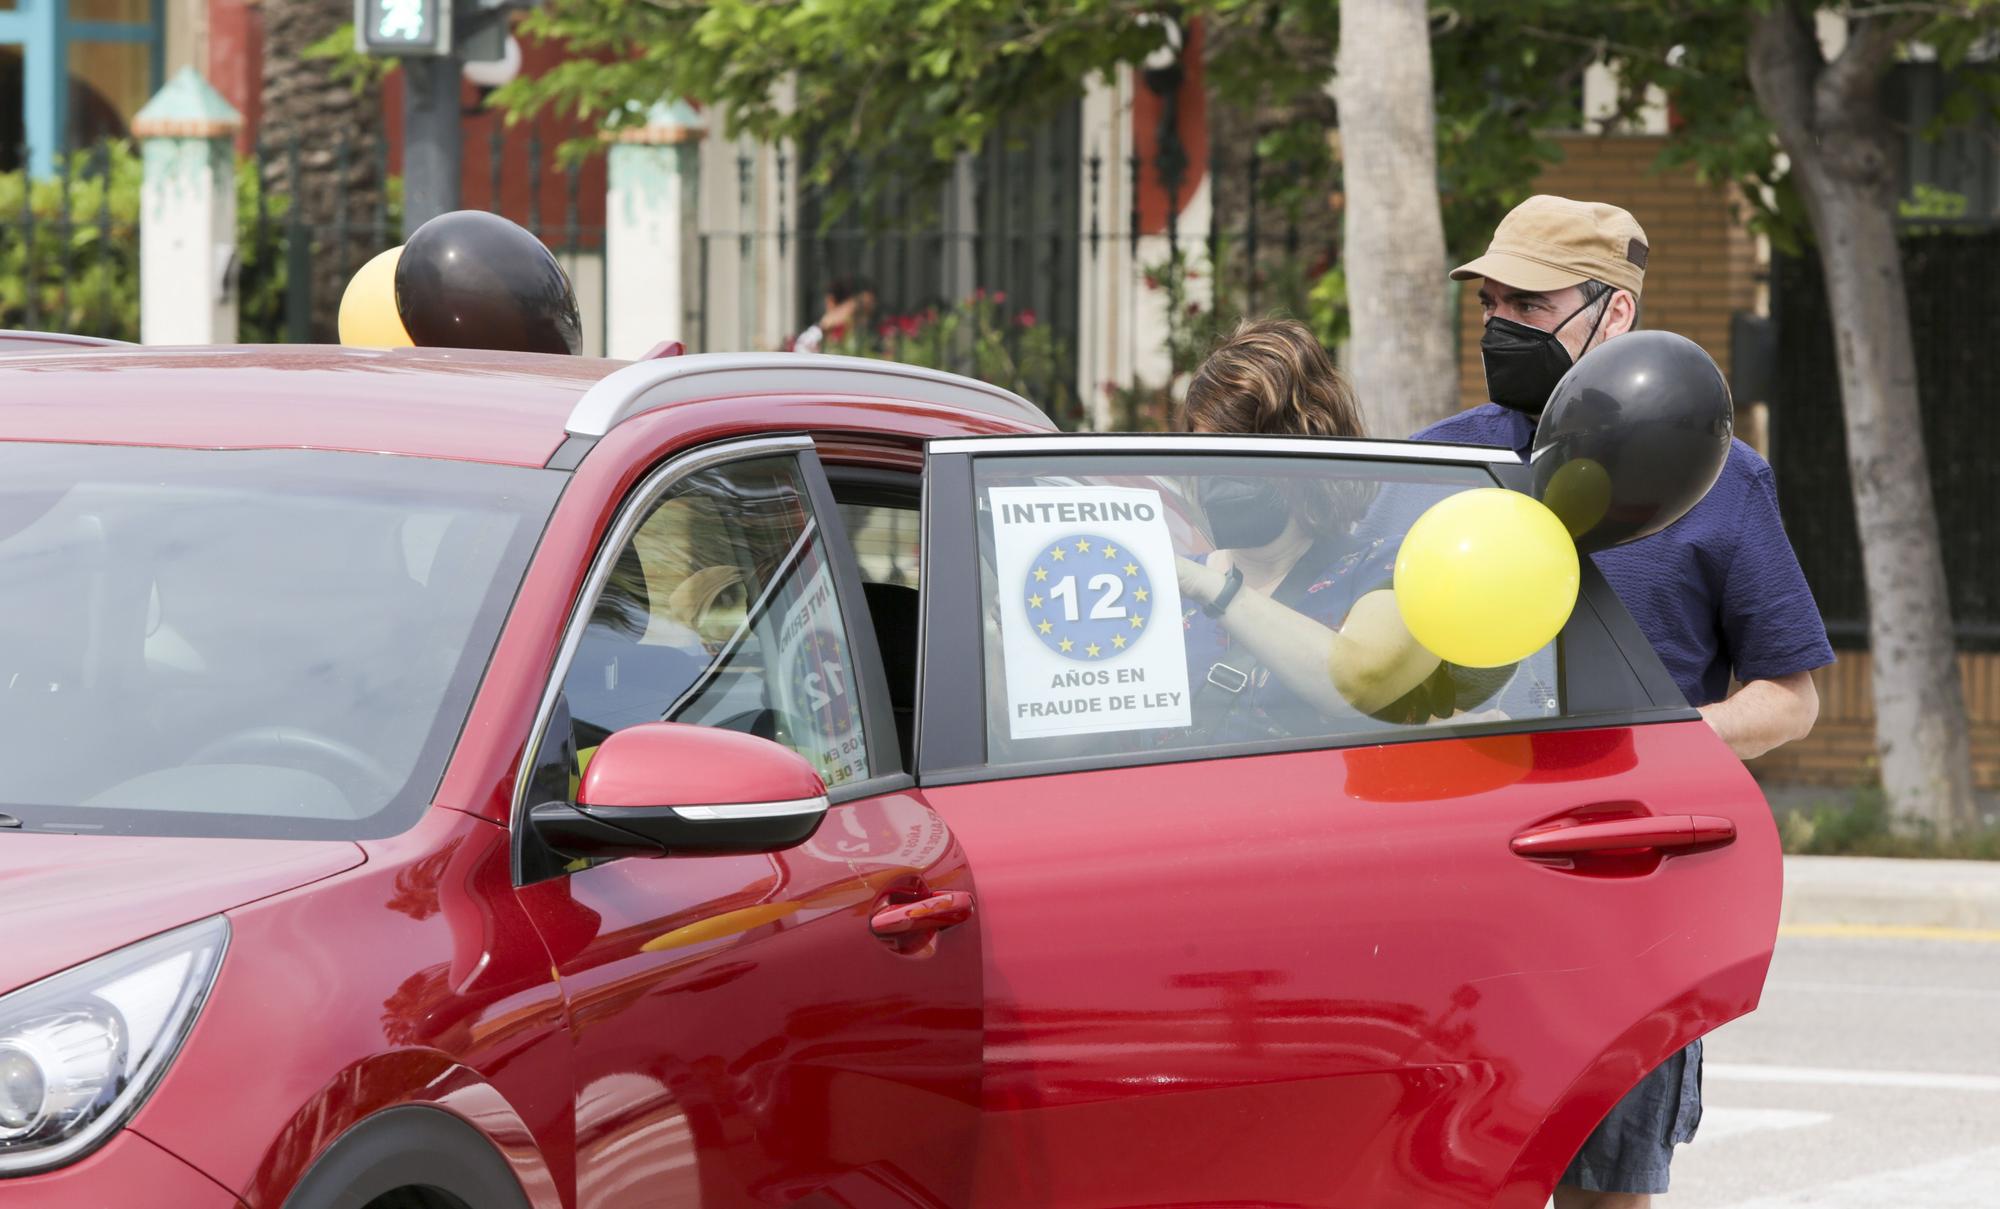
(1230, 584)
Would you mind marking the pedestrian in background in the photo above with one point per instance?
(849, 307)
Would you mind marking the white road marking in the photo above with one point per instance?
(1928, 1080)
(1965, 1181)
(1719, 1123)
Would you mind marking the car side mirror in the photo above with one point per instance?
(668, 787)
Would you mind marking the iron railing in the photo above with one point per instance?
(1953, 281)
(69, 245)
(1027, 221)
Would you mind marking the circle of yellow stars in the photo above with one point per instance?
(1080, 559)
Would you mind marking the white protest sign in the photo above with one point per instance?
(1090, 610)
(816, 684)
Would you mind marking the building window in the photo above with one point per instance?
(73, 72)
(1955, 176)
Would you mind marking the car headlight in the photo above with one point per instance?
(80, 1050)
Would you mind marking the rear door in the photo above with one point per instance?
(1287, 957)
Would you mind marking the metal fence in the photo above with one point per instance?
(295, 258)
(69, 242)
(1029, 220)
(1953, 279)
(69, 245)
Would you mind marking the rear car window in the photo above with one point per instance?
(1091, 651)
(249, 642)
(885, 540)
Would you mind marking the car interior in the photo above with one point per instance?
(882, 513)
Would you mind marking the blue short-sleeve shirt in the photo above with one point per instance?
(1716, 592)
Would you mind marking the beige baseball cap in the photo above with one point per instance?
(1552, 243)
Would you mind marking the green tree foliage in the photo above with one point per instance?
(899, 87)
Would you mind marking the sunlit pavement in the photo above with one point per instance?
(1869, 1077)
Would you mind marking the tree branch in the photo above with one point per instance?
(1785, 64)
(1857, 71)
(1894, 10)
(1599, 44)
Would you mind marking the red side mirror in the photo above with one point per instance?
(669, 787)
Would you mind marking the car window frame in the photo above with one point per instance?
(885, 762)
(951, 725)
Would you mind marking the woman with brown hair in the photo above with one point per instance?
(1290, 621)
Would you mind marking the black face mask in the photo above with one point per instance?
(1243, 514)
(1523, 364)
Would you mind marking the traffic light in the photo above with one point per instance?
(402, 27)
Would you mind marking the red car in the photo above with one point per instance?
(441, 779)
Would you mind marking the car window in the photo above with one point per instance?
(1091, 648)
(885, 541)
(246, 642)
(721, 611)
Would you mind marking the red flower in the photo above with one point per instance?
(1110, 389)
(999, 295)
(1026, 318)
(908, 324)
(887, 330)
(979, 295)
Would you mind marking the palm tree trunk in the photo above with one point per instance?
(334, 130)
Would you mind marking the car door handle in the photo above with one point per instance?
(1661, 833)
(933, 914)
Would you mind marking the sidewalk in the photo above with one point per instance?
(1868, 891)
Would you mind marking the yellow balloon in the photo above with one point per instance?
(368, 317)
(1580, 493)
(1486, 577)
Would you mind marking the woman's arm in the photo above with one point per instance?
(1361, 667)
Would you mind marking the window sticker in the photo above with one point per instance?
(816, 686)
(1089, 611)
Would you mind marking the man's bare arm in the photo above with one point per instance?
(1765, 714)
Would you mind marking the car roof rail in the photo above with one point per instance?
(646, 385)
(48, 341)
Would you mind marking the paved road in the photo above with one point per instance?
(1869, 1077)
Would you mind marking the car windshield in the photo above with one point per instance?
(245, 643)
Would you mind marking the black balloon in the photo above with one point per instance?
(1632, 438)
(469, 279)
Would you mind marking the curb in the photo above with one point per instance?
(1882, 892)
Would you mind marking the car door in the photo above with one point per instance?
(1280, 957)
(770, 1029)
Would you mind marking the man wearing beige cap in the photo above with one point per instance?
(1718, 593)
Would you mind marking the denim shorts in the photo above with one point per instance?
(1632, 1147)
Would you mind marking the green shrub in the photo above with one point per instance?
(1860, 826)
(976, 337)
(72, 246)
(71, 243)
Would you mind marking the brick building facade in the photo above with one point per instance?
(1703, 267)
